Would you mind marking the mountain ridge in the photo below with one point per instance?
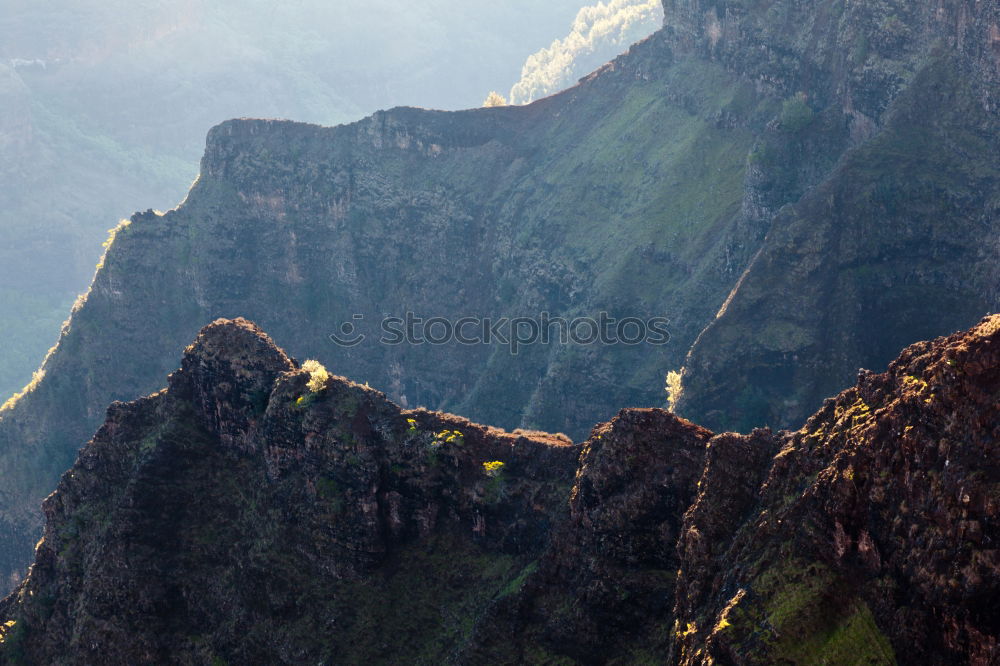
(211, 521)
(109, 108)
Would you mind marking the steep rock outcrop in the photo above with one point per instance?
(868, 536)
(873, 532)
(602, 593)
(239, 513)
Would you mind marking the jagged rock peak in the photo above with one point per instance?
(248, 489)
(235, 350)
(228, 373)
(969, 359)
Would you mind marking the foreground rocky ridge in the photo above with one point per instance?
(888, 495)
(896, 136)
(753, 172)
(256, 511)
(244, 512)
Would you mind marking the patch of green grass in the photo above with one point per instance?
(809, 616)
(516, 584)
(796, 115)
(423, 604)
(672, 148)
(327, 488)
(330, 491)
(785, 336)
(536, 654)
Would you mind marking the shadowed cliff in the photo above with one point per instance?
(255, 511)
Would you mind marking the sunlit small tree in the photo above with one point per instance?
(495, 99)
(674, 388)
(318, 375)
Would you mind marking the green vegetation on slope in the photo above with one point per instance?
(794, 617)
(889, 249)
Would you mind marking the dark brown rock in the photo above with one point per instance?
(878, 512)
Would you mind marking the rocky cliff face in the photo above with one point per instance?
(89, 134)
(289, 494)
(752, 172)
(907, 216)
(259, 511)
(879, 515)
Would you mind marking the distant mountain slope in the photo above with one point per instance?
(901, 240)
(648, 190)
(113, 100)
(258, 512)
